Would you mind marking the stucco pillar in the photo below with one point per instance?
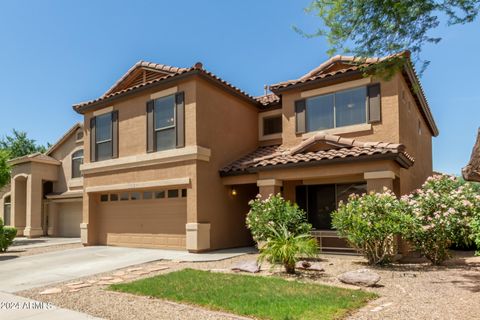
(377, 180)
(88, 232)
(33, 226)
(198, 237)
(52, 219)
(267, 187)
(18, 203)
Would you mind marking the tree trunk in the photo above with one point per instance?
(289, 268)
(472, 171)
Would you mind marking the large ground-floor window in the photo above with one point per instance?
(319, 201)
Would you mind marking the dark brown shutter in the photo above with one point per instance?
(374, 103)
(300, 116)
(180, 117)
(93, 154)
(115, 134)
(150, 128)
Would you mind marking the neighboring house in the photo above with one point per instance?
(173, 155)
(47, 189)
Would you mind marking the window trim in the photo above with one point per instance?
(269, 114)
(334, 93)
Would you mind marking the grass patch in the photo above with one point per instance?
(256, 296)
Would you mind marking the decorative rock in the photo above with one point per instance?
(119, 273)
(116, 280)
(302, 265)
(305, 265)
(73, 290)
(140, 273)
(106, 278)
(92, 281)
(79, 286)
(134, 269)
(51, 291)
(74, 283)
(157, 268)
(247, 266)
(360, 277)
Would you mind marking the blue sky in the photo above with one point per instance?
(57, 53)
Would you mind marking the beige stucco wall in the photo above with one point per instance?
(63, 153)
(418, 145)
(229, 127)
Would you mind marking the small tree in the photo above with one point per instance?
(369, 223)
(4, 168)
(270, 214)
(441, 213)
(285, 248)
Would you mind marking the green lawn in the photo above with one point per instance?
(257, 296)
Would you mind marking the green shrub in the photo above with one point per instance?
(272, 213)
(7, 234)
(285, 248)
(441, 213)
(370, 223)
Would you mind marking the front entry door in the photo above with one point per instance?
(318, 201)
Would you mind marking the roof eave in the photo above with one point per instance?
(400, 158)
(278, 89)
(81, 109)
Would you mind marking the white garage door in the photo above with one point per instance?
(143, 219)
(69, 219)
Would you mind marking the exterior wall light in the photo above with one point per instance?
(234, 191)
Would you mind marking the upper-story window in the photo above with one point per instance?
(164, 111)
(339, 109)
(104, 136)
(272, 125)
(77, 161)
(166, 123)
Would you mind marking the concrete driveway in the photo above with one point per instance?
(46, 269)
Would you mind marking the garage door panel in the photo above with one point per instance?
(69, 219)
(143, 223)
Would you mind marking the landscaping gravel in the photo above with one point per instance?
(407, 291)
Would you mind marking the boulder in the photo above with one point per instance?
(306, 265)
(246, 266)
(51, 291)
(360, 277)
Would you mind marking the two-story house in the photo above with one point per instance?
(173, 155)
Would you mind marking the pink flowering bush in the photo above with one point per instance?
(441, 213)
(274, 213)
(370, 223)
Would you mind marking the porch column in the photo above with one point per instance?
(377, 180)
(88, 232)
(269, 187)
(18, 194)
(34, 207)
(52, 218)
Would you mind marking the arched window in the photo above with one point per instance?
(77, 160)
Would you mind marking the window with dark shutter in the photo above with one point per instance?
(104, 136)
(300, 116)
(166, 123)
(77, 161)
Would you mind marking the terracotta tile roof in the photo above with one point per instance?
(196, 69)
(34, 157)
(268, 99)
(350, 63)
(168, 70)
(315, 150)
